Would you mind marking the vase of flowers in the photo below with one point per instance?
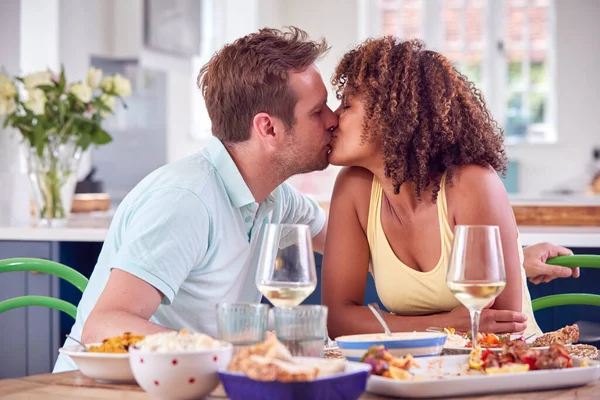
(58, 121)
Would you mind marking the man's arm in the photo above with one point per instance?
(535, 263)
(125, 305)
(165, 236)
(318, 241)
(298, 208)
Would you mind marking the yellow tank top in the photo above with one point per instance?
(405, 291)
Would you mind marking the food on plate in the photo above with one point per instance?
(386, 365)
(586, 351)
(272, 361)
(485, 340)
(517, 356)
(567, 335)
(177, 341)
(116, 344)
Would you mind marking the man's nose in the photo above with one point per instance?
(331, 120)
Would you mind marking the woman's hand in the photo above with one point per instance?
(490, 321)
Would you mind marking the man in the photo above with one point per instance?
(179, 243)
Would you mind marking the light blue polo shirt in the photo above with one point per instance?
(187, 229)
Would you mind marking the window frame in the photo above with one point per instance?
(495, 62)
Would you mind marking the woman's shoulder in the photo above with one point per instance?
(473, 178)
(354, 177)
(353, 186)
(474, 185)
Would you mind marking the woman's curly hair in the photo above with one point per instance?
(429, 117)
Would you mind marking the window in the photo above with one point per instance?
(504, 46)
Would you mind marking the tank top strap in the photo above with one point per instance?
(374, 209)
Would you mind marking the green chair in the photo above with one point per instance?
(567, 299)
(46, 267)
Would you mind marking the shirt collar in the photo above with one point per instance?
(237, 189)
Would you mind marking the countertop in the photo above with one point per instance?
(93, 227)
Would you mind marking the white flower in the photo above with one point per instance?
(122, 86)
(109, 101)
(107, 84)
(94, 77)
(82, 91)
(7, 106)
(37, 101)
(39, 78)
(7, 88)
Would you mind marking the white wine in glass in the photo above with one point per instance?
(286, 273)
(476, 274)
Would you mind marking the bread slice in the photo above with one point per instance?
(264, 369)
(567, 335)
(586, 351)
(325, 367)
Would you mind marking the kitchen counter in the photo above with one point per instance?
(91, 227)
(94, 227)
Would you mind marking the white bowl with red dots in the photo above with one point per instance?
(187, 374)
(109, 367)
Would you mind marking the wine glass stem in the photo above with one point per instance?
(474, 326)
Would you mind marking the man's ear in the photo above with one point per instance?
(268, 128)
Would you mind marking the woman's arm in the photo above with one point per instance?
(478, 197)
(346, 265)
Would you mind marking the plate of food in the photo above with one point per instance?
(483, 371)
(268, 371)
(460, 342)
(106, 361)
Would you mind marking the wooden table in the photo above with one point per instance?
(73, 385)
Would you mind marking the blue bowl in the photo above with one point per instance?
(417, 344)
(345, 386)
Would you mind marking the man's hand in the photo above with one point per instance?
(535, 265)
(490, 321)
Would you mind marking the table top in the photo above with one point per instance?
(74, 385)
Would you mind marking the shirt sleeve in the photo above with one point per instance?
(165, 236)
(300, 209)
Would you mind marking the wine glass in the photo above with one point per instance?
(286, 273)
(476, 274)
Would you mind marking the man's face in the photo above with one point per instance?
(307, 141)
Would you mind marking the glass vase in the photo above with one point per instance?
(53, 177)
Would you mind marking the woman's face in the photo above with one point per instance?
(347, 146)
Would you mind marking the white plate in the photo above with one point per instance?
(442, 381)
(109, 367)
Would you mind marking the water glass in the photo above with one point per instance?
(302, 329)
(242, 324)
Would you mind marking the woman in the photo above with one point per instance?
(423, 154)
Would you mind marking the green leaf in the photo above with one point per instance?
(80, 118)
(62, 81)
(85, 140)
(102, 137)
(47, 88)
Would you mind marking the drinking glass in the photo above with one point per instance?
(302, 329)
(242, 324)
(286, 273)
(476, 274)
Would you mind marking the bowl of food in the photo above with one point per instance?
(400, 344)
(179, 365)
(106, 361)
(268, 371)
